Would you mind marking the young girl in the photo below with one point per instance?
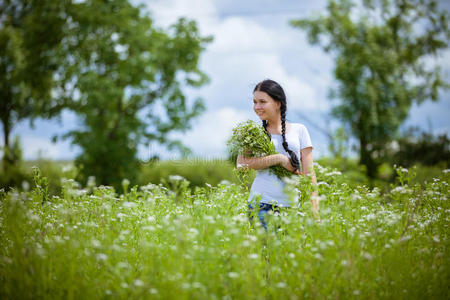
(292, 142)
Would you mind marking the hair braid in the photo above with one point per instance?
(294, 159)
(264, 123)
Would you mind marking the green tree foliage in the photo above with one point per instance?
(124, 77)
(381, 51)
(30, 36)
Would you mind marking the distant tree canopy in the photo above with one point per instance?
(124, 77)
(381, 64)
(30, 36)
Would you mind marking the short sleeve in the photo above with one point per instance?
(305, 139)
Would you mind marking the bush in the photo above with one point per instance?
(21, 176)
(197, 171)
(416, 147)
(354, 172)
(12, 170)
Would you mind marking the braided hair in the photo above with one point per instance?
(274, 90)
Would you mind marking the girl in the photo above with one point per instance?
(292, 143)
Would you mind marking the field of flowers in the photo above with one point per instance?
(172, 242)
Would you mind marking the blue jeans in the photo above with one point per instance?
(264, 208)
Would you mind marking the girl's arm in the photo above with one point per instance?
(307, 168)
(257, 163)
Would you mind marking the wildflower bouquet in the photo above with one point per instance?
(251, 140)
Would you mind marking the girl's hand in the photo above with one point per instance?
(286, 163)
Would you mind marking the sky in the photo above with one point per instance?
(252, 41)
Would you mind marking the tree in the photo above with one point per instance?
(124, 77)
(29, 44)
(381, 52)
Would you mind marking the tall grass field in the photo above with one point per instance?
(175, 242)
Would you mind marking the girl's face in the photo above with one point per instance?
(264, 106)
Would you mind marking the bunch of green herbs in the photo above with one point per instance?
(251, 140)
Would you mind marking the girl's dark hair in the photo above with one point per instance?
(274, 90)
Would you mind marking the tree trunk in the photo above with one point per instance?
(366, 158)
(6, 132)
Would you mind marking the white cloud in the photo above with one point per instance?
(35, 146)
(166, 12)
(211, 131)
(239, 35)
(300, 95)
(240, 73)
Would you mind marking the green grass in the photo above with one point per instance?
(182, 243)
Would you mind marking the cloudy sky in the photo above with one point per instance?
(252, 41)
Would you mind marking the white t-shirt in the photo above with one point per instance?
(266, 183)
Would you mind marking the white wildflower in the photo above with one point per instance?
(404, 239)
(102, 256)
(197, 285)
(96, 243)
(370, 217)
(121, 215)
(367, 256)
(356, 197)
(209, 219)
(25, 185)
(91, 182)
(193, 231)
(129, 204)
(67, 168)
(124, 285)
(400, 190)
(122, 265)
(246, 243)
(149, 228)
(333, 173)
(176, 177)
(138, 282)
(185, 285)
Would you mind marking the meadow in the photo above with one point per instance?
(174, 241)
